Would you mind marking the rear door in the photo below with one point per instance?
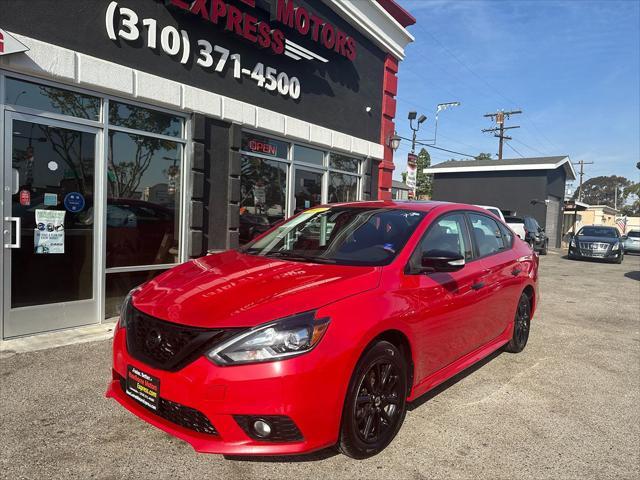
(493, 248)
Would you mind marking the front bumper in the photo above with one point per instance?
(309, 390)
(609, 254)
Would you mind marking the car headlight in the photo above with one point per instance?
(126, 310)
(616, 246)
(285, 338)
(573, 242)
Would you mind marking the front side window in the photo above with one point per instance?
(487, 235)
(340, 235)
(447, 236)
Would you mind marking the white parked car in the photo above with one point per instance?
(517, 225)
(495, 210)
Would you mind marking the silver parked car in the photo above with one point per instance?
(631, 242)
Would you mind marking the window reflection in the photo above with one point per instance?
(139, 118)
(308, 155)
(119, 284)
(342, 187)
(308, 190)
(263, 195)
(52, 163)
(51, 99)
(342, 162)
(143, 200)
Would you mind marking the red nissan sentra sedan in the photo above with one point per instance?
(320, 331)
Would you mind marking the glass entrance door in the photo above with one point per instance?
(307, 189)
(49, 240)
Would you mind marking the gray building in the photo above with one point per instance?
(523, 186)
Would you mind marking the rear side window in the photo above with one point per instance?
(634, 234)
(487, 235)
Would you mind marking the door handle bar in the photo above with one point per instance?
(18, 222)
(477, 286)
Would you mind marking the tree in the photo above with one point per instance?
(602, 191)
(483, 156)
(424, 181)
(632, 193)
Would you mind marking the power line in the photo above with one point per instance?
(491, 87)
(514, 149)
(527, 146)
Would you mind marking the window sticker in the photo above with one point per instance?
(51, 199)
(74, 202)
(48, 236)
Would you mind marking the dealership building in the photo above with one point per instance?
(140, 133)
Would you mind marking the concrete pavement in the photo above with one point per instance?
(567, 407)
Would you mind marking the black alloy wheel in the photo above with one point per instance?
(521, 325)
(375, 405)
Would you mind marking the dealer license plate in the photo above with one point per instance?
(143, 387)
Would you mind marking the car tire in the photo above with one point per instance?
(545, 248)
(376, 402)
(521, 325)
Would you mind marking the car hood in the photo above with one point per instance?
(232, 289)
(589, 239)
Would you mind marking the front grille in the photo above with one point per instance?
(283, 429)
(173, 412)
(168, 346)
(598, 246)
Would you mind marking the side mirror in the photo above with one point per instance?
(441, 261)
(623, 237)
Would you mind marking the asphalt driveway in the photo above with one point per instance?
(567, 407)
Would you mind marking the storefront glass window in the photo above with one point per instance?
(143, 176)
(342, 162)
(308, 155)
(51, 99)
(342, 187)
(139, 118)
(263, 188)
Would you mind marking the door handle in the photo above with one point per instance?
(515, 272)
(17, 221)
(477, 286)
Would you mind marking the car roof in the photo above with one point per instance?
(414, 205)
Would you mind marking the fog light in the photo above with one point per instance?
(262, 428)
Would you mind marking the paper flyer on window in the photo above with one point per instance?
(48, 236)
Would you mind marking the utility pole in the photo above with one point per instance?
(582, 163)
(499, 117)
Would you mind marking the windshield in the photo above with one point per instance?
(634, 234)
(598, 232)
(340, 235)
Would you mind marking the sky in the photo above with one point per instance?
(571, 66)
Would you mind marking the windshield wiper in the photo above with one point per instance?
(296, 256)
